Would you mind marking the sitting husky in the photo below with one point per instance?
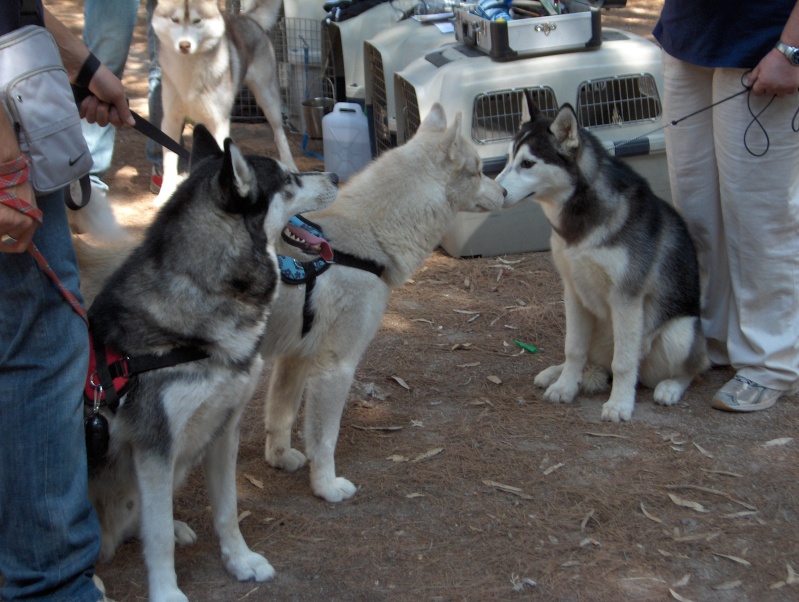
(385, 222)
(627, 262)
(205, 58)
(201, 283)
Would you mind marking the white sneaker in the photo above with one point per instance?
(740, 394)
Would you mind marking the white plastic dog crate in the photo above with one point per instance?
(614, 90)
(346, 44)
(390, 51)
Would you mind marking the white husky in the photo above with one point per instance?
(386, 220)
(205, 59)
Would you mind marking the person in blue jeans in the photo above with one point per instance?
(49, 533)
(108, 31)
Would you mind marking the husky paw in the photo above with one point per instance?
(547, 377)
(250, 567)
(668, 392)
(285, 459)
(336, 490)
(184, 535)
(614, 411)
(561, 392)
(171, 595)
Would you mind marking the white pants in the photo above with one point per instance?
(743, 212)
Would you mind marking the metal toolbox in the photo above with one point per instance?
(535, 36)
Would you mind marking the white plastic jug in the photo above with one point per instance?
(345, 133)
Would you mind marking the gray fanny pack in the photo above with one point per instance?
(35, 92)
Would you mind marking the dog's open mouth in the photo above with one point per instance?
(307, 241)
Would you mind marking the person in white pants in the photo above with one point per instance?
(735, 180)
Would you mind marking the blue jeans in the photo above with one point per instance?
(49, 533)
(108, 31)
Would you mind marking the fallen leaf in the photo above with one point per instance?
(466, 311)
(414, 495)
(702, 450)
(377, 428)
(727, 585)
(677, 596)
(733, 558)
(254, 481)
(687, 503)
(606, 435)
(791, 575)
(417, 423)
(494, 379)
(472, 319)
(684, 581)
(780, 441)
(508, 489)
(471, 365)
(552, 469)
(589, 541)
(740, 514)
(244, 515)
(422, 320)
(649, 516)
(698, 537)
(401, 382)
(397, 458)
(428, 454)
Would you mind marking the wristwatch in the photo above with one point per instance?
(790, 52)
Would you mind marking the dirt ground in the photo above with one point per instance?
(470, 486)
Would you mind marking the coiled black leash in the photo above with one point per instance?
(755, 119)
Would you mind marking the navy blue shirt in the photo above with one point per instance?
(10, 15)
(721, 33)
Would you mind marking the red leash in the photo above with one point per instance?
(11, 174)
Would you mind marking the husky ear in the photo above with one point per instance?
(237, 179)
(436, 119)
(203, 145)
(451, 142)
(530, 110)
(565, 129)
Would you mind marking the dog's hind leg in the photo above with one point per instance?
(220, 473)
(262, 81)
(326, 395)
(283, 399)
(678, 353)
(155, 474)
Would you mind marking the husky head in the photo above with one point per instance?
(188, 26)
(468, 188)
(544, 157)
(254, 185)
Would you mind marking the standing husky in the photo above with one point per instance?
(202, 280)
(205, 58)
(627, 262)
(386, 220)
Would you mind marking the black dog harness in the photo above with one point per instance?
(296, 272)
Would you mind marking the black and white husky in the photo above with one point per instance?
(203, 279)
(627, 262)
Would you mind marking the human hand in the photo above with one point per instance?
(107, 102)
(17, 228)
(774, 76)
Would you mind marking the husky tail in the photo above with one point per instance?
(263, 12)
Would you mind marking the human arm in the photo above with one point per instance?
(774, 74)
(19, 226)
(108, 103)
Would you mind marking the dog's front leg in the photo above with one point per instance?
(172, 125)
(155, 474)
(326, 395)
(286, 385)
(219, 464)
(627, 318)
(579, 326)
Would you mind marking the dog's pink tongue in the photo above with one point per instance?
(314, 241)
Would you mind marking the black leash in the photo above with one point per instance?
(755, 120)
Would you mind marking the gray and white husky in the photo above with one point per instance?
(203, 278)
(628, 265)
(205, 58)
